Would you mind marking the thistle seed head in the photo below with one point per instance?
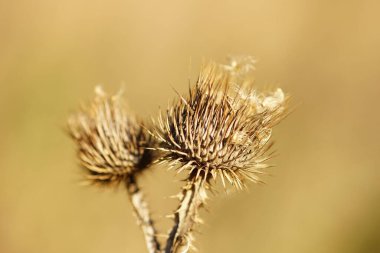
(111, 144)
(220, 128)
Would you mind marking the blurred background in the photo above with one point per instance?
(323, 195)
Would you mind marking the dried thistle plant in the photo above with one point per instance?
(219, 131)
(112, 150)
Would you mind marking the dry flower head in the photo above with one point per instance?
(110, 143)
(222, 127)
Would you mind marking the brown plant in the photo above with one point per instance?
(112, 150)
(220, 129)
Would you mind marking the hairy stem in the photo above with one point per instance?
(193, 196)
(141, 211)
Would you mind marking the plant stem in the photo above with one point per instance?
(141, 211)
(192, 198)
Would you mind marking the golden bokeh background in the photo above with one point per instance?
(324, 195)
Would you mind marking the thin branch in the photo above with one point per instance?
(141, 211)
(186, 216)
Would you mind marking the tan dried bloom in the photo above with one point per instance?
(111, 143)
(220, 130)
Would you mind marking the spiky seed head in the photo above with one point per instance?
(220, 128)
(111, 143)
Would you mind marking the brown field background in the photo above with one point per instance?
(324, 193)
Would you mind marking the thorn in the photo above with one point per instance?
(170, 216)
